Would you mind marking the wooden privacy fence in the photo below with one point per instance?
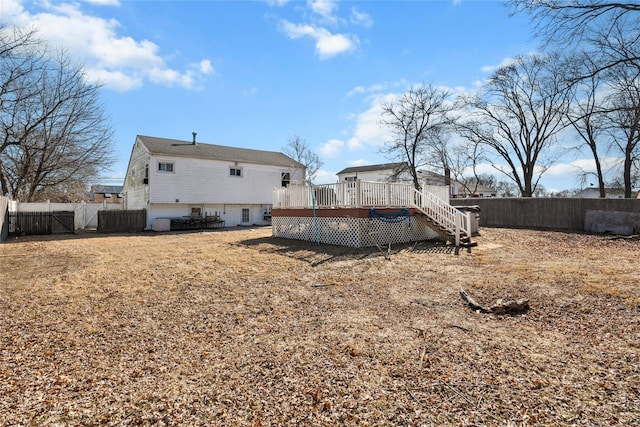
(122, 221)
(544, 213)
(38, 223)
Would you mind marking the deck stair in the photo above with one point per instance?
(448, 221)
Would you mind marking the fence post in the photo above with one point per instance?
(358, 195)
(467, 218)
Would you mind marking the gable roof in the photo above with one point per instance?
(174, 147)
(113, 189)
(373, 168)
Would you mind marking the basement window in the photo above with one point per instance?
(235, 172)
(165, 167)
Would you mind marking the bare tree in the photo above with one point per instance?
(608, 30)
(54, 132)
(518, 115)
(418, 122)
(624, 123)
(587, 117)
(462, 160)
(298, 149)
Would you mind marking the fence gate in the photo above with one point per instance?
(62, 222)
(38, 223)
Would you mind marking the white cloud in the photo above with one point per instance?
(10, 9)
(206, 67)
(325, 177)
(116, 80)
(359, 162)
(375, 89)
(331, 148)
(327, 44)
(582, 165)
(504, 63)
(368, 131)
(360, 18)
(324, 8)
(250, 92)
(119, 61)
(355, 143)
(104, 2)
(356, 91)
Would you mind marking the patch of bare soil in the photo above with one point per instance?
(236, 327)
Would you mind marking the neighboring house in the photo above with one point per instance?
(594, 193)
(105, 194)
(399, 172)
(176, 179)
(459, 191)
(386, 172)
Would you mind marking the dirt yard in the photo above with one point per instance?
(236, 328)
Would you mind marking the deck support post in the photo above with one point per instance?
(457, 233)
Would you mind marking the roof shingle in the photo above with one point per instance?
(173, 147)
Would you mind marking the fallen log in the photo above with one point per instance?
(500, 307)
(472, 303)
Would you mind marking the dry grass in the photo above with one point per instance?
(238, 328)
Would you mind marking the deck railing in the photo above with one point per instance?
(432, 201)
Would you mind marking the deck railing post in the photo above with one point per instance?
(358, 195)
(388, 194)
(457, 225)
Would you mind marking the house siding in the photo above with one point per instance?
(231, 214)
(135, 191)
(204, 183)
(209, 181)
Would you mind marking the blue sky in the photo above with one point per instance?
(254, 74)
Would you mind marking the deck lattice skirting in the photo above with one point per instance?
(353, 228)
(339, 214)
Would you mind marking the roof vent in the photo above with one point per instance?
(194, 137)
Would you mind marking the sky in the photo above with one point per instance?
(255, 74)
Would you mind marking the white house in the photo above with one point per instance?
(188, 179)
(399, 172)
(594, 193)
(386, 172)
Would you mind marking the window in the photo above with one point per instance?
(107, 195)
(235, 172)
(286, 178)
(245, 214)
(165, 167)
(350, 178)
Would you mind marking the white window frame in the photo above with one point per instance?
(246, 215)
(236, 172)
(166, 167)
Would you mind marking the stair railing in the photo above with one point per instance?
(455, 222)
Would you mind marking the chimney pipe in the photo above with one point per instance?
(194, 137)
